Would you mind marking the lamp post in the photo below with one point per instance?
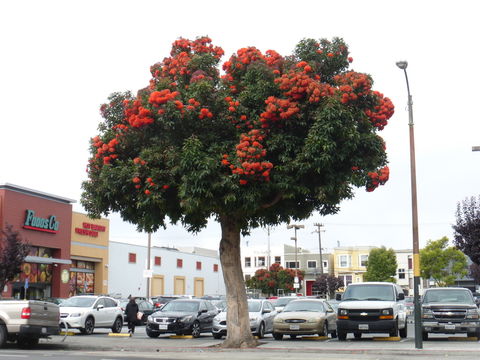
(296, 262)
(416, 252)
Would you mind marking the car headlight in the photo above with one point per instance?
(427, 313)
(216, 320)
(343, 312)
(187, 318)
(76, 315)
(472, 314)
(150, 318)
(387, 311)
(312, 320)
(278, 320)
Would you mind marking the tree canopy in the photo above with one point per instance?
(12, 254)
(381, 265)
(442, 263)
(271, 139)
(269, 281)
(467, 228)
(327, 284)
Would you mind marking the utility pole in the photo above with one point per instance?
(148, 263)
(296, 283)
(319, 230)
(269, 260)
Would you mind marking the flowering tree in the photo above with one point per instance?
(12, 255)
(327, 284)
(271, 140)
(274, 279)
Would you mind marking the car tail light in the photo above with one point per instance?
(26, 313)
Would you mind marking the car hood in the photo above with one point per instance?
(73, 309)
(172, 314)
(449, 305)
(300, 315)
(366, 304)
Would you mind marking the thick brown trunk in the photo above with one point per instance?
(238, 323)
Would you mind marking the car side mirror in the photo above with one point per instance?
(338, 297)
(279, 310)
(401, 296)
(330, 311)
(266, 311)
(202, 311)
(100, 307)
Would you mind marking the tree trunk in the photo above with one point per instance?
(238, 322)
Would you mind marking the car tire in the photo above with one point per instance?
(195, 329)
(3, 335)
(277, 336)
(334, 334)
(357, 335)
(342, 335)
(424, 336)
(403, 332)
(471, 334)
(324, 329)
(151, 333)
(293, 336)
(117, 325)
(217, 336)
(394, 332)
(89, 326)
(261, 331)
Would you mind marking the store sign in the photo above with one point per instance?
(33, 222)
(90, 229)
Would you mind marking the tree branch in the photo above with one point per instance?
(275, 200)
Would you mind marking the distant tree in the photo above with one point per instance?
(467, 229)
(442, 263)
(381, 265)
(12, 255)
(475, 272)
(327, 284)
(274, 279)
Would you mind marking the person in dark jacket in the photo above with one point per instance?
(131, 311)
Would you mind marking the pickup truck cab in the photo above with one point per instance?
(371, 307)
(26, 321)
(449, 311)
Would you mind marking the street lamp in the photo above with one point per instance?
(296, 262)
(416, 252)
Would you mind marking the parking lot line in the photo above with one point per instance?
(314, 337)
(119, 334)
(452, 338)
(181, 337)
(388, 338)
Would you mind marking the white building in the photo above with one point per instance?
(258, 257)
(173, 272)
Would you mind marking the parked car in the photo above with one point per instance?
(305, 317)
(449, 311)
(261, 313)
(219, 304)
(159, 301)
(181, 317)
(282, 301)
(87, 312)
(409, 306)
(144, 306)
(371, 307)
(334, 304)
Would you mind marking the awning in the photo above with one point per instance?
(85, 258)
(46, 260)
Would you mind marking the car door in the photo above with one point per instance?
(212, 311)
(111, 311)
(268, 313)
(331, 316)
(99, 312)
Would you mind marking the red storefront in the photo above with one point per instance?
(44, 221)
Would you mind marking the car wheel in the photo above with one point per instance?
(357, 335)
(277, 336)
(342, 335)
(3, 335)
(152, 334)
(471, 334)
(394, 331)
(217, 336)
(89, 326)
(403, 332)
(261, 331)
(334, 334)
(324, 329)
(196, 329)
(424, 336)
(117, 325)
(293, 336)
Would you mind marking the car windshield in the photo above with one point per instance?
(369, 292)
(254, 306)
(181, 306)
(79, 302)
(300, 305)
(284, 301)
(448, 296)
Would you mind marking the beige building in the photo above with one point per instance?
(351, 262)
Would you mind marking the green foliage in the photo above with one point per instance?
(381, 265)
(442, 263)
(274, 279)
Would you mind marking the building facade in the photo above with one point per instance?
(351, 263)
(172, 272)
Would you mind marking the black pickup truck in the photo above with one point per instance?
(449, 311)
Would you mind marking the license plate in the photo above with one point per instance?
(44, 330)
(294, 327)
(163, 327)
(449, 327)
(362, 326)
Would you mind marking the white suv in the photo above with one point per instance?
(88, 312)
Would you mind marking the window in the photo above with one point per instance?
(410, 263)
(215, 267)
(311, 264)
(199, 265)
(179, 263)
(158, 261)
(261, 261)
(401, 273)
(110, 302)
(291, 265)
(248, 261)
(325, 264)
(362, 259)
(347, 279)
(344, 261)
(278, 259)
(132, 258)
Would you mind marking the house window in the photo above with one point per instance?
(199, 265)
(278, 259)
(325, 264)
(215, 267)
(410, 263)
(362, 259)
(401, 273)
(158, 261)
(344, 261)
(179, 263)
(248, 262)
(261, 261)
(291, 265)
(311, 264)
(347, 279)
(132, 258)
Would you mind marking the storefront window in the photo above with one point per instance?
(82, 278)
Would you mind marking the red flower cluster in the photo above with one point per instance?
(158, 98)
(353, 85)
(105, 150)
(204, 112)
(277, 109)
(299, 85)
(377, 178)
(136, 115)
(382, 111)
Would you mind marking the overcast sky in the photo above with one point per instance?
(61, 59)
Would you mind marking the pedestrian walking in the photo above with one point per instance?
(131, 312)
